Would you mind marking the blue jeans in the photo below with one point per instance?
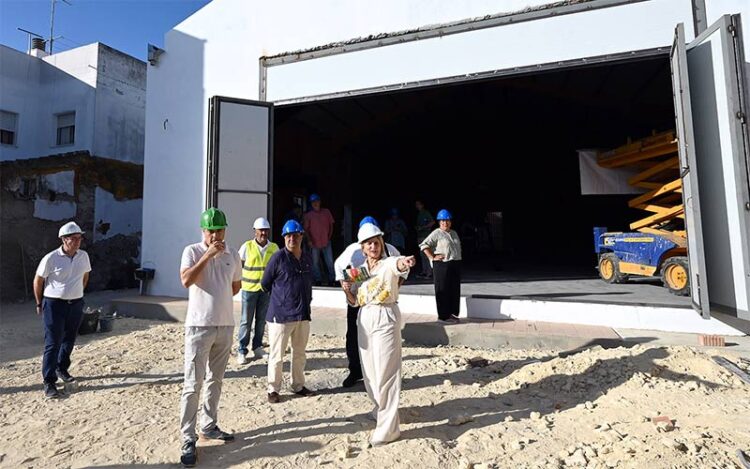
(254, 307)
(327, 257)
(62, 318)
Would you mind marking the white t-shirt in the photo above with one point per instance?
(263, 249)
(210, 297)
(382, 286)
(353, 256)
(63, 275)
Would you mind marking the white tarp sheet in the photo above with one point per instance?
(596, 180)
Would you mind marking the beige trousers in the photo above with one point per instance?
(278, 338)
(379, 333)
(206, 355)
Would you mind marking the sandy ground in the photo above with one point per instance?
(524, 409)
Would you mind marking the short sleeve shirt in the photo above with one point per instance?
(63, 275)
(210, 300)
(382, 286)
(445, 243)
(319, 226)
(290, 282)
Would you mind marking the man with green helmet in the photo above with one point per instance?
(212, 274)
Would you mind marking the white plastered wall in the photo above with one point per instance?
(38, 89)
(216, 52)
(104, 87)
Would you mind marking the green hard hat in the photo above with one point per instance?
(213, 219)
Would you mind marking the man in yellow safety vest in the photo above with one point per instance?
(255, 255)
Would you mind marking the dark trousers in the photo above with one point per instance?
(352, 344)
(254, 309)
(62, 318)
(447, 279)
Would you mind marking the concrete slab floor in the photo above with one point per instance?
(638, 291)
(424, 329)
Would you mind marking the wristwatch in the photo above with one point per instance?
(38, 305)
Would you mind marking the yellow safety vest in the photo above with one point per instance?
(254, 266)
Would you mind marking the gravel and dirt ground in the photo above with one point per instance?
(625, 407)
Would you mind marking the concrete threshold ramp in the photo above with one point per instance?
(418, 328)
(486, 308)
(611, 314)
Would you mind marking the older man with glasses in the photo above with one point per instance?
(60, 280)
(288, 278)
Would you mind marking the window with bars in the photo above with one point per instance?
(8, 127)
(66, 128)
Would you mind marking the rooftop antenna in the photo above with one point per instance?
(29, 34)
(52, 22)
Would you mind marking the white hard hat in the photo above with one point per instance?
(367, 231)
(68, 229)
(261, 223)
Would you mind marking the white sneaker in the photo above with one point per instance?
(241, 359)
(260, 353)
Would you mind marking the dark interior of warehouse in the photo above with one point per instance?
(505, 145)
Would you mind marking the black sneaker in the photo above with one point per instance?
(65, 376)
(217, 434)
(351, 380)
(304, 392)
(189, 455)
(51, 392)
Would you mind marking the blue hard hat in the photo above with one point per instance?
(444, 215)
(314, 197)
(369, 219)
(394, 212)
(291, 226)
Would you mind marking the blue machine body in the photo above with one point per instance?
(637, 248)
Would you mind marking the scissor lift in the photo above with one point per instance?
(658, 243)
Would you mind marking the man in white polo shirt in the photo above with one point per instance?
(212, 273)
(58, 288)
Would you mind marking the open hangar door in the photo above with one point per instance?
(506, 145)
(710, 92)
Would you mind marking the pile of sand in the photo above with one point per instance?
(637, 407)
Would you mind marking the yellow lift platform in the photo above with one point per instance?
(658, 244)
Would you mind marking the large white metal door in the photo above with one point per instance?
(711, 125)
(690, 193)
(240, 159)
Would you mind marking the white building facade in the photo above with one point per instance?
(284, 54)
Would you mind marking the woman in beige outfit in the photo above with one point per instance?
(379, 330)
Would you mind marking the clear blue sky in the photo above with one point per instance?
(126, 25)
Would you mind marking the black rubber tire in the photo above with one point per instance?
(681, 261)
(617, 276)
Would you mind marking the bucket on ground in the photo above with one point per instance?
(106, 323)
(90, 321)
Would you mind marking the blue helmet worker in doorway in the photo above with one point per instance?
(443, 248)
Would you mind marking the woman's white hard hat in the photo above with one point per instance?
(68, 229)
(261, 223)
(367, 231)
